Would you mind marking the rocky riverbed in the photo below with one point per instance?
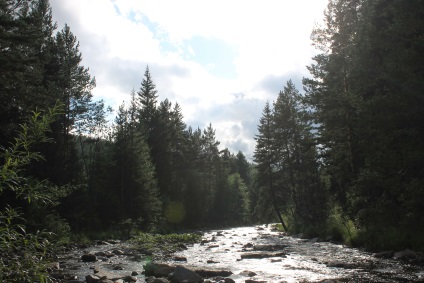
(238, 255)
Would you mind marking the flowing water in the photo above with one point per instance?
(292, 259)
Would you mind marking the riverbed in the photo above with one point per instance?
(259, 253)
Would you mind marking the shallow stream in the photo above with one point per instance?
(285, 259)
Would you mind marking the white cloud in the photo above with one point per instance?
(120, 37)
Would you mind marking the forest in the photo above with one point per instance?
(343, 157)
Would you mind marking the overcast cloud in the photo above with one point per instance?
(220, 60)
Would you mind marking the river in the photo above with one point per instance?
(278, 258)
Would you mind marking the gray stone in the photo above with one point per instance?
(91, 278)
(405, 254)
(248, 273)
(184, 275)
(269, 248)
(262, 255)
(208, 273)
(89, 258)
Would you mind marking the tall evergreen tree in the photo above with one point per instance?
(265, 157)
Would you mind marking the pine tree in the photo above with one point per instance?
(265, 157)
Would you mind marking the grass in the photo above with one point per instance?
(156, 244)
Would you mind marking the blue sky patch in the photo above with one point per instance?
(215, 55)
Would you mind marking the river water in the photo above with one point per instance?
(295, 260)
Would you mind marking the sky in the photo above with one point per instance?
(220, 60)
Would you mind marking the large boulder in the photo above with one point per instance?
(184, 275)
(158, 269)
(89, 258)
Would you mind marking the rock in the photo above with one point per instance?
(158, 280)
(118, 252)
(89, 258)
(223, 280)
(135, 273)
(180, 258)
(184, 275)
(105, 281)
(340, 264)
(387, 254)
(130, 278)
(212, 246)
(91, 278)
(158, 269)
(118, 267)
(104, 254)
(276, 260)
(119, 281)
(253, 281)
(248, 245)
(211, 261)
(269, 247)
(248, 273)
(209, 273)
(263, 255)
(405, 254)
(313, 240)
(103, 274)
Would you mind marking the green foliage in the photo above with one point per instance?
(23, 253)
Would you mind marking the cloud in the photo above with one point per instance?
(220, 60)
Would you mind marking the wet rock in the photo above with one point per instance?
(248, 245)
(276, 260)
(72, 281)
(405, 254)
(119, 281)
(211, 261)
(180, 258)
(91, 278)
(313, 240)
(158, 269)
(158, 280)
(387, 254)
(103, 243)
(262, 255)
(135, 273)
(184, 275)
(223, 280)
(107, 254)
(209, 273)
(212, 246)
(118, 252)
(269, 248)
(130, 278)
(105, 281)
(89, 258)
(254, 281)
(260, 228)
(340, 264)
(103, 274)
(247, 273)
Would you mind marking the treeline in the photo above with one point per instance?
(147, 169)
(347, 156)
